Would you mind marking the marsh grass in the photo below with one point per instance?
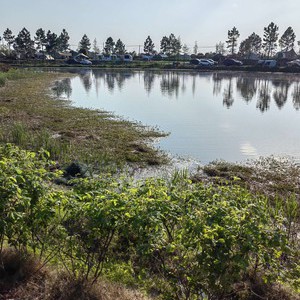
(32, 117)
(2, 79)
(12, 74)
(270, 176)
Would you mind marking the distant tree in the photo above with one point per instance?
(164, 44)
(63, 41)
(52, 42)
(174, 45)
(287, 40)
(23, 44)
(109, 47)
(270, 38)
(95, 46)
(233, 36)
(185, 49)
(84, 44)
(8, 37)
(195, 48)
(252, 44)
(120, 47)
(149, 45)
(170, 45)
(220, 48)
(255, 42)
(40, 39)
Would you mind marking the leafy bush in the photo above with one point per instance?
(192, 240)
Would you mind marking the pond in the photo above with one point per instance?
(209, 115)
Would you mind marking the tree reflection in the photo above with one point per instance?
(261, 87)
(228, 94)
(63, 88)
(247, 87)
(86, 79)
(169, 84)
(112, 79)
(217, 84)
(296, 96)
(148, 81)
(263, 102)
(280, 94)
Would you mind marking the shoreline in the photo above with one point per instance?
(155, 66)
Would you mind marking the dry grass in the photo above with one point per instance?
(22, 278)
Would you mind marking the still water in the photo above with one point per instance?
(230, 116)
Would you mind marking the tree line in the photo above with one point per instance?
(49, 42)
(25, 46)
(257, 45)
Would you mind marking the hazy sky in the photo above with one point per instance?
(204, 21)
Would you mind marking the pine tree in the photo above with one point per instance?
(270, 38)
(120, 47)
(23, 44)
(95, 46)
(250, 45)
(52, 42)
(174, 45)
(149, 45)
(233, 36)
(8, 37)
(164, 45)
(84, 44)
(109, 47)
(185, 49)
(287, 40)
(63, 41)
(40, 39)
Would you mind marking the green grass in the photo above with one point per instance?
(10, 74)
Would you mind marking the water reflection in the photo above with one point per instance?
(264, 95)
(228, 94)
(211, 115)
(296, 96)
(264, 89)
(63, 88)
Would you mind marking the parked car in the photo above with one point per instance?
(270, 63)
(294, 63)
(194, 61)
(212, 61)
(82, 59)
(232, 62)
(205, 62)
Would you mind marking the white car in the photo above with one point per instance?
(294, 63)
(205, 62)
(82, 59)
(212, 61)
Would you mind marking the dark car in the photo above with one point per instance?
(195, 61)
(232, 62)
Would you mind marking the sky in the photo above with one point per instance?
(204, 21)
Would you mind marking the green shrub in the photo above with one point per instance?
(192, 240)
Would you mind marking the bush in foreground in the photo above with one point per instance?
(179, 240)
